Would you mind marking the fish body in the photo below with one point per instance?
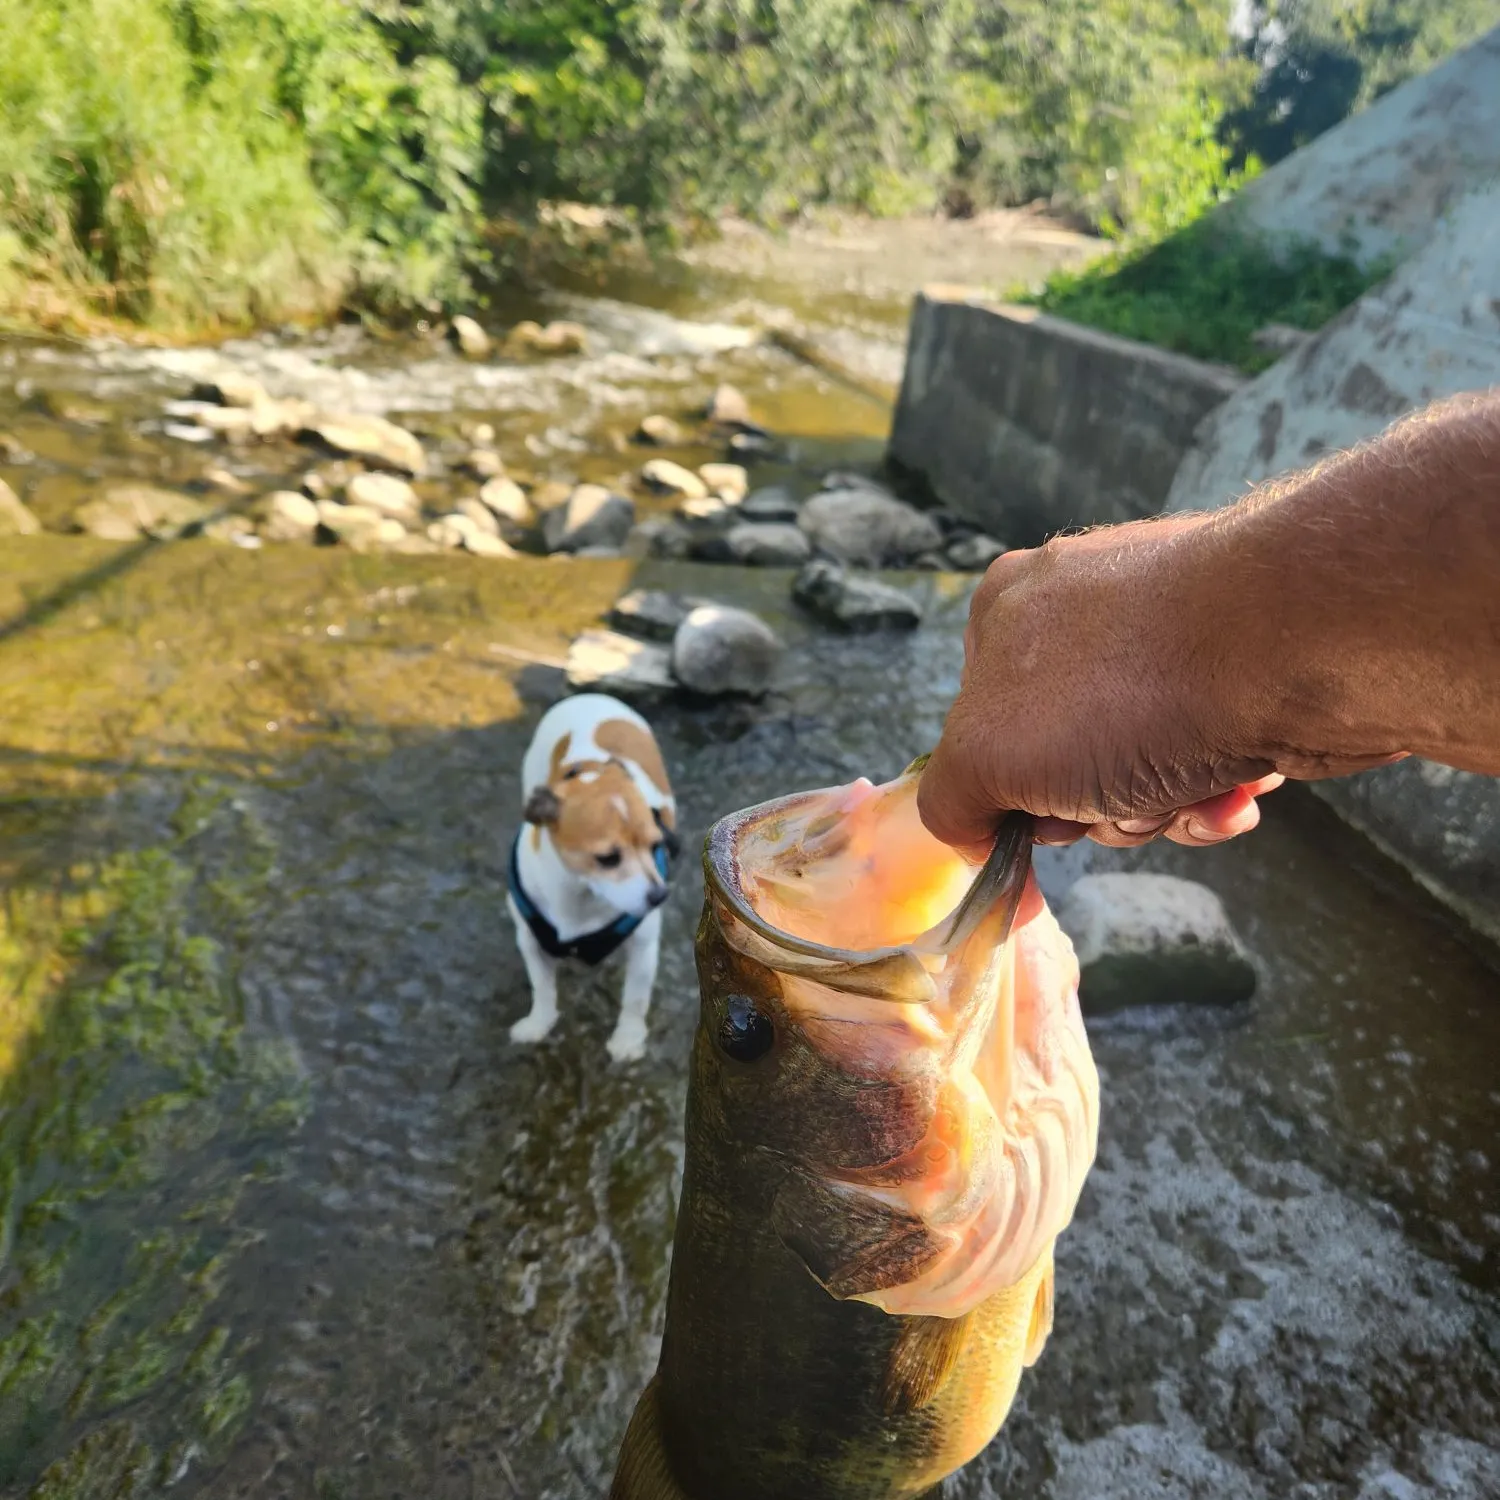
(884, 1138)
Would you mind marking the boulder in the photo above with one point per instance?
(285, 516)
(372, 439)
(604, 661)
(659, 432)
(659, 537)
(473, 342)
(719, 649)
(278, 419)
(1145, 939)
(729, 482)
(483, 463)
(451, 532)
(651, 614)
(556, 338)
(125, 512)
(15, 518)
(868, 528)
(973, 554)
(593, 517)
(767, 544)
(359, 526)
(667, 478)
(232, 388)
(550, 494)
(852, 479)
(851, 601)
(773, 503)
(507, 501)
(386, 493)
(728, 407)
(482, 544)
(481, 515)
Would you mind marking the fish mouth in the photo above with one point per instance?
(835, 891)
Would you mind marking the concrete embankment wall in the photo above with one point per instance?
(1027, 424)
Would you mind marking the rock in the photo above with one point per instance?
(931, 562)
(773, 503)
(767, 544)
(473, 342)
(481, 544)
(973, 554)
(555, 338)
(651, 614)
(278, 419)
(13, 450)
(707, 512)
(507, 500)
(233, 423)
(328, 480)
(852, 602)
(481, 515)
(849, 479)
(386, 493)
(728, 407)
(604, 661)
(70, 406)
(659, 431)
(597, 551)
(451, 532)
(483, 463)
(1279, 338)
(371, 438)
(238, 531)
(750, 446)
(232, 388)
(361, 527)
(226, 482)
(481, 434)
(550, 494)
(593, 517)
(187, 432)
(128, 511)
(15, 518)
(415, 546)
(719, 649)
(729, 482)
(285, 516)
(667, 478)
(659, 537)
(866, 527)
(1151, 939)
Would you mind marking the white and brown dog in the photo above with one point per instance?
(588, 870)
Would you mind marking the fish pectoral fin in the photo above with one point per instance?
(852, 1242)
(642, 1471)
(924, 1357)
(1041, 1320)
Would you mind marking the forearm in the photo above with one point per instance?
(1365, 598)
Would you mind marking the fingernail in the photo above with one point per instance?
(1135, 826)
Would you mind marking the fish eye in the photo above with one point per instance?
(745, 1034)
(608, 861)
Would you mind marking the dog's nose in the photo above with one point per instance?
(656, 895)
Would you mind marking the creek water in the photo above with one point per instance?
(282, 1211)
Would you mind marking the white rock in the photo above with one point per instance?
(453, 530)
(1145, 939)
(370, 438)
(605, 661)
(728, 406)
(593, 517)
(719, 649)
(484, 463)
(286, 516)
(15, 518)
(730, 482)
(508, 501)
(232, 388)
(662, 431)
(667, 478)
(482, 544)
(385, 493)
(473, 341)
(481, 515)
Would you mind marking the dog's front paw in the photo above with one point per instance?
(628, 1044)
(532, 1028)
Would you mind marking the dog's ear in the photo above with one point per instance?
(542, 806)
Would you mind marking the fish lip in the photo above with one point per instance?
(721, 873)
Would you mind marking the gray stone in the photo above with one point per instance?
(651, 614)
(659, 431)
(868, 528)
(473, 342)
(728, 407)
(773, 503)
(973, 554)
(667, 478)
(728, 481)
(1146, 939)
(592, 517)
(508, 502)
(371, 438)
(852, 479)
(15, 518)
(767, 544)
(232, 388)
(1279, 339)
(752, 445)
(604, 661)
(386, 493)
(659, 537)
(125, 512)
(719, 649)
(286, 516)
(853, 602)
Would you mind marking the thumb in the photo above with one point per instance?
(952, 805)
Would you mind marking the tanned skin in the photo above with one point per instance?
(1155, 678)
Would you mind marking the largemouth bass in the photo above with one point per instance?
(891, 1111)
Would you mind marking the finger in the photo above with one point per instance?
(1264, 785)
(1130, 835)
(1215, 819)
(1058, 832)
(949, 801)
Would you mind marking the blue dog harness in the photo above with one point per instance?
(592, 947)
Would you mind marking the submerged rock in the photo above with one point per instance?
(973, 554)
(667, 478)
(851, 601)
(767, 544)
(604, 661)
(752, 445)
(286, 516)
(867, 527)
(125, 512)
(386, 493)
(729, 482)
(473, 342)
(1145, 939)
(15, 518)
(592, 517)
(659, 431)
(719, 649)
(371, 438)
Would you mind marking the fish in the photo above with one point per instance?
(891, 1111)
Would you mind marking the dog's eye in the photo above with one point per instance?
(608, 861)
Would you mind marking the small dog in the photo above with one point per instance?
(588, 870)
